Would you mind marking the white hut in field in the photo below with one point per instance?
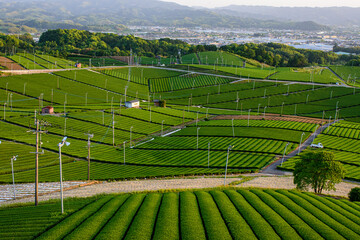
(132, 104)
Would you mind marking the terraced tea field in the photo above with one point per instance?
(317, 75)
(185, 82)
(254, 146)
(140, 75)
(213, 214)
(349, 74)
(40, 61)
(343, 140)
(96, 61)
(90, 97)
(236, 71)
(148, 61)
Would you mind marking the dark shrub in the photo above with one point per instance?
(354, 194)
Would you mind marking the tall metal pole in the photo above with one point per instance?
(61, 184)
(131, 135)
(300, 142)
(113, 128)
(124, 151)
(162, 127)
(103, 117)
(284, 154)
(37, 164)
(233, 129)
(4, 112)
(227, 160)
(65, 126)
(11, 102)
(89, 156)
(197, 118)
(183, 120)
(126, 87)
(209, 155)
(12, 171)
(197, 138)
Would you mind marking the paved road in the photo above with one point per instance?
(272, 169)
(342, 82)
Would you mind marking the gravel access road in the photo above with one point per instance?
(260, 181)
(131, 186)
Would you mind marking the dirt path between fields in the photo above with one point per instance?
(260, 181)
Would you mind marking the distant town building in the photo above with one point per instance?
(47, 110)
(160, 103)
(132, 104)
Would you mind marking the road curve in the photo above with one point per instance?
(272, 168)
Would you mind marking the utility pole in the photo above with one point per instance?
(37, 132)
(88, 157)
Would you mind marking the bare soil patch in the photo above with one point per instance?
(9, 64)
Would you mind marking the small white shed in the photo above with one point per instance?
(132, 104)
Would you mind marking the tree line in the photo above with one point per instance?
(62, 42)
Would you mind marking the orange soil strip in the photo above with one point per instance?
(9, 64)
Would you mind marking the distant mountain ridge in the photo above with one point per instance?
(339, 16)
(81, 13)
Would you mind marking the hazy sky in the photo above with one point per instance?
(291, 3)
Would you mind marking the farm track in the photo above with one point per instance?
(338, 76)
(261, 180)
(272, 168)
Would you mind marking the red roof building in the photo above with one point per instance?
(47, 110)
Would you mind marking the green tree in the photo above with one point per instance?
(319, 170)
